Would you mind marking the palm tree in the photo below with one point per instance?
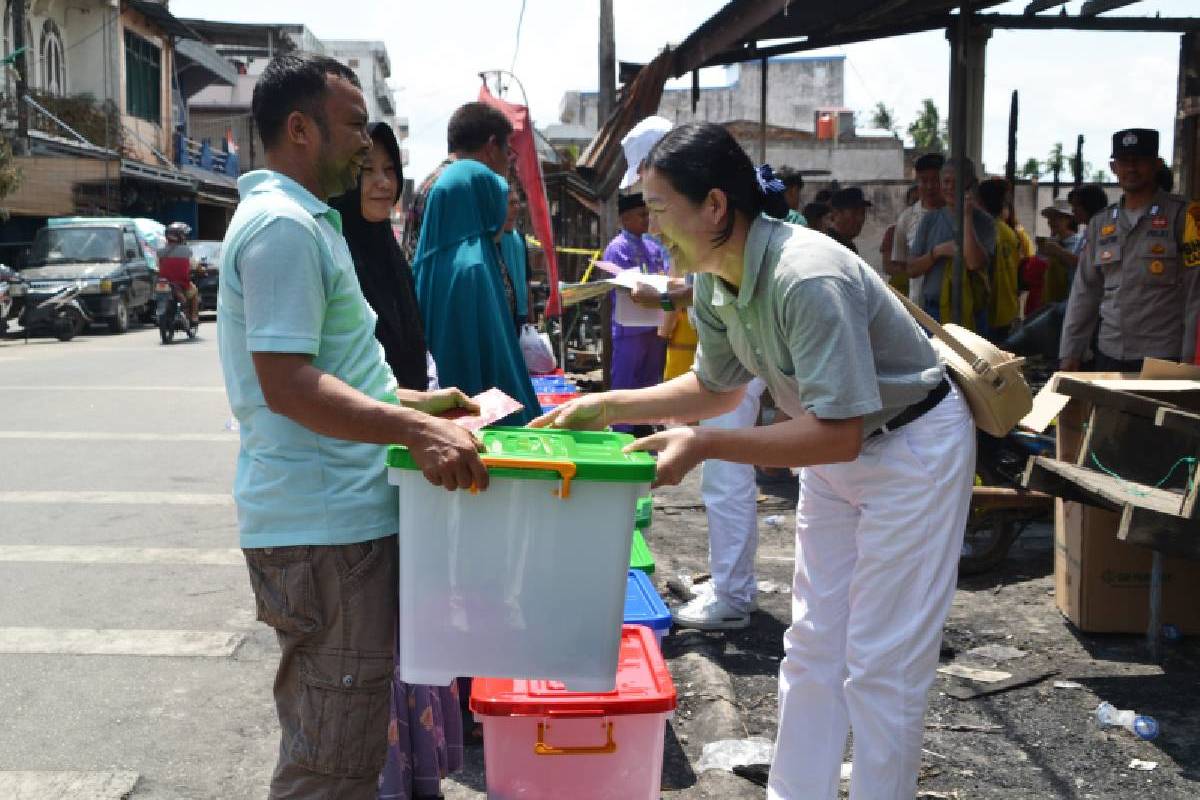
(883, 118)
(926, 130)
(1032, 169)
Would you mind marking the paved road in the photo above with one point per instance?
(129, 655)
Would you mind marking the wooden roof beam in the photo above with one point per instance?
(1043, 5)
(1093, 7)
(1074, 23)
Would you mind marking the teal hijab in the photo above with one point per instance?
(516, 259)
(468, 325)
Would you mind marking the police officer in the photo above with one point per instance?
(1139, 271)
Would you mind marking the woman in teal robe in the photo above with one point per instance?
(466, 295)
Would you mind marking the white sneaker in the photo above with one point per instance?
(710, 613)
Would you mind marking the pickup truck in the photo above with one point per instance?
(105, 256)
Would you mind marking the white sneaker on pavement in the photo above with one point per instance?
(710, 613)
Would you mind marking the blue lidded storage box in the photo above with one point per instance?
(644, 607)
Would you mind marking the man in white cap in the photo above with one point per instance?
(1060, 250)
(729, 491)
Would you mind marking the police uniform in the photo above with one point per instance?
(1140, 282)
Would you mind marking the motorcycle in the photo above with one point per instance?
(1001, 508)
(171, 312)
(61, 313)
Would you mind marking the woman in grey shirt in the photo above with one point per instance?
(885, 441)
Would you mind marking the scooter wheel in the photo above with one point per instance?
(64, 329)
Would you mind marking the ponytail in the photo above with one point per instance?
(772, 189)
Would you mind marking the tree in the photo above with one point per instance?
(1100, 177)
(1031, 169)
(926, 130)
(10, 173)
(883, 118)
(1056, 160)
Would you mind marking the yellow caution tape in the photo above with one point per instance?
(572, 251)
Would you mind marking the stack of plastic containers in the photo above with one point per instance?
(541, 741)
(640, 556)
(527, 579)
(643, 606)
(554, 390)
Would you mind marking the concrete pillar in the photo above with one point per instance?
(1187, 121)
(974, 56)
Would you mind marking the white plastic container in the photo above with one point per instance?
(525, 580)
(541, 742)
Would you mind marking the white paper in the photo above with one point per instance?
(630, 278)
(629, 312)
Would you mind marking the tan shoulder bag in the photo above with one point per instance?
(989, 378)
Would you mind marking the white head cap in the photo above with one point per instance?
(638, 143)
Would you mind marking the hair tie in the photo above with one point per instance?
(768, 183)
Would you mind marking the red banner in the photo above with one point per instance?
(529, 173)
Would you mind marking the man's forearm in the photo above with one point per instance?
(681, 297)
(802, 442)
(326, 405)
(681, 399)
(920, 265)
(975, 257)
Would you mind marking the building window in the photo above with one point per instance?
(54, 65)
(30, 50)
(143, 78)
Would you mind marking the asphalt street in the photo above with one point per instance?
(130, 661)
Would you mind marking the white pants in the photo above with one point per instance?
(730, 496)
(877, 548)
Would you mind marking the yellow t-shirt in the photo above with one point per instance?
(1005, 301)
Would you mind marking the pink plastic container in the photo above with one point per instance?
(541, 742)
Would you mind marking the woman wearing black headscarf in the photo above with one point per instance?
(383, 272)
(425, 733)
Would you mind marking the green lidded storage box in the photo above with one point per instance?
(640, 556)
(644, 514)
(544, 454)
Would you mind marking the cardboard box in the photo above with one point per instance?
(1102, 585)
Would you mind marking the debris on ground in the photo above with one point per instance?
(997, 652)
(1067, 685)
(975, 673)
(962, 727)
(1144, 766)
(729, 753)
(965, 692)
(1141, 726)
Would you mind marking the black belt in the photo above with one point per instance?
(916, 410)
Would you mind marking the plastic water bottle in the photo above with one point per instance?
(1140, 726)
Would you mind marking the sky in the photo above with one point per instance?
(1069, 82)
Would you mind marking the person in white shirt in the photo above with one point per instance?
(929, 197)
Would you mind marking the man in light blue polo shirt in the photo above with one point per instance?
(316, 402)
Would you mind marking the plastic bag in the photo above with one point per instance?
(535, 347)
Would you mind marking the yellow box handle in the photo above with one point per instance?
(565, 469)
(543, 749)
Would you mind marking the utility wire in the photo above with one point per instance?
(517, 46)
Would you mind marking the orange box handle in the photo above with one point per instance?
(565, 469)
(543, 749)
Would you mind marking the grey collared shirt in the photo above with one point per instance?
(1137, 280)
(818, 324)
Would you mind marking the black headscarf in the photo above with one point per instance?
(385, 276)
